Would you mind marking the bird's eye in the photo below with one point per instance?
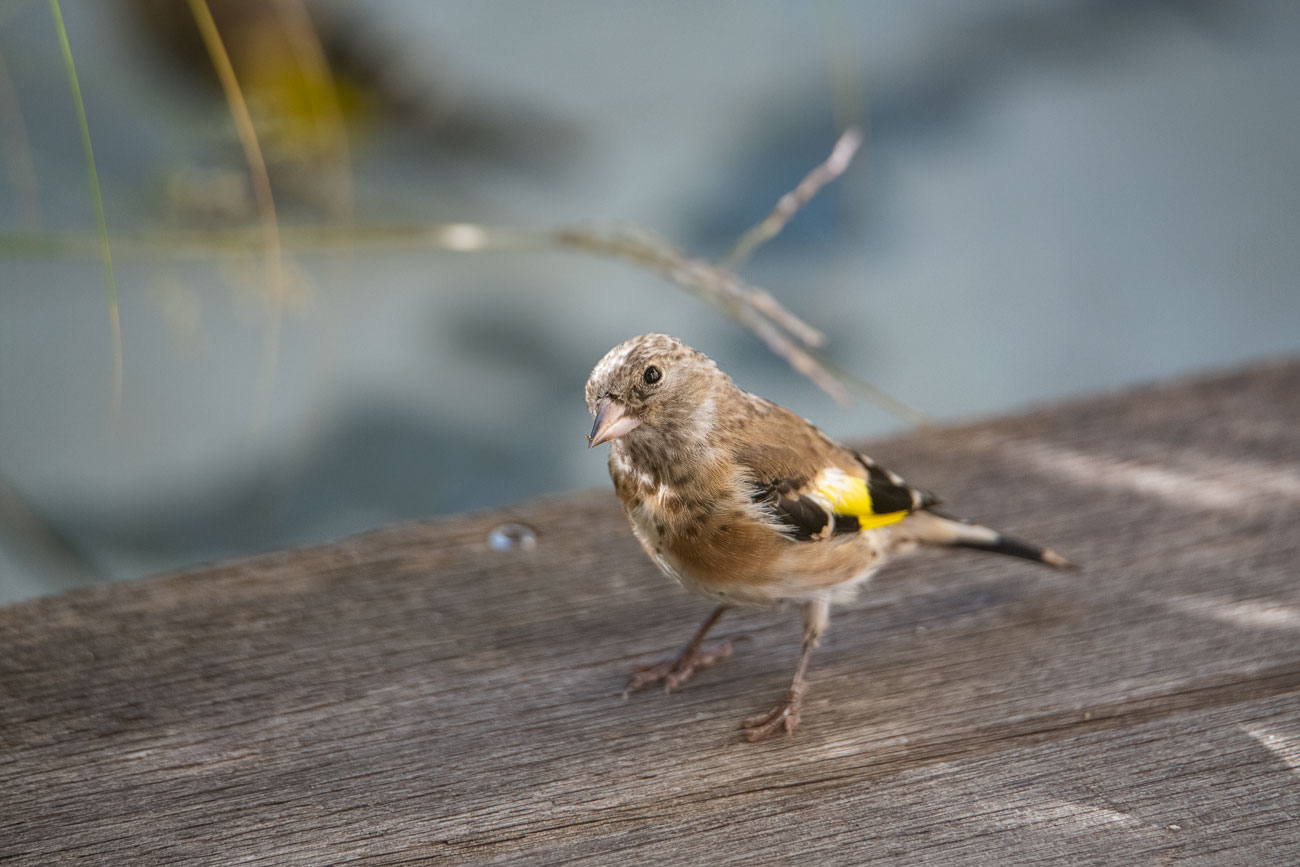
(652, 375)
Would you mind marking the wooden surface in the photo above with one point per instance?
(411, 694)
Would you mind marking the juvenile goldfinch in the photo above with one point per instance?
(744, 502)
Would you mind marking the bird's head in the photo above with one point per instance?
(654, 385)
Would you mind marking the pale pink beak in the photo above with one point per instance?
(612, 422)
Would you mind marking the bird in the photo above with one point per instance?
(744, 502)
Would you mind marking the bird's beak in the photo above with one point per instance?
(612, 421)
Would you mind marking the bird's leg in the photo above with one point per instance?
(692, 659)
(816, 616)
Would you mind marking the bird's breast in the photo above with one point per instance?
(711, 540)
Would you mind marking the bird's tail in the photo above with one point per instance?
(935, 528)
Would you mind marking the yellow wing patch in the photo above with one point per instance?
(844, 494)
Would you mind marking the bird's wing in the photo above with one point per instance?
(821, 489)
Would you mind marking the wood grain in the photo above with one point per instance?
(411, 694)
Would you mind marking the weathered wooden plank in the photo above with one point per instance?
(1213, 786)
(412, 694)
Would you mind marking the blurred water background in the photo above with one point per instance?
(1055, 197)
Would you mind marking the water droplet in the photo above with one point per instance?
(512, 537)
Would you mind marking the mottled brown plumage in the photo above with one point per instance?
(743, 501)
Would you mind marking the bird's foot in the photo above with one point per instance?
(784, 716)
(675, 672)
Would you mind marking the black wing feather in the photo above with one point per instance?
(889, 493)
(805, 520)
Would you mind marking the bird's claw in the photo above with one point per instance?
(675, 672)
(784, 716)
